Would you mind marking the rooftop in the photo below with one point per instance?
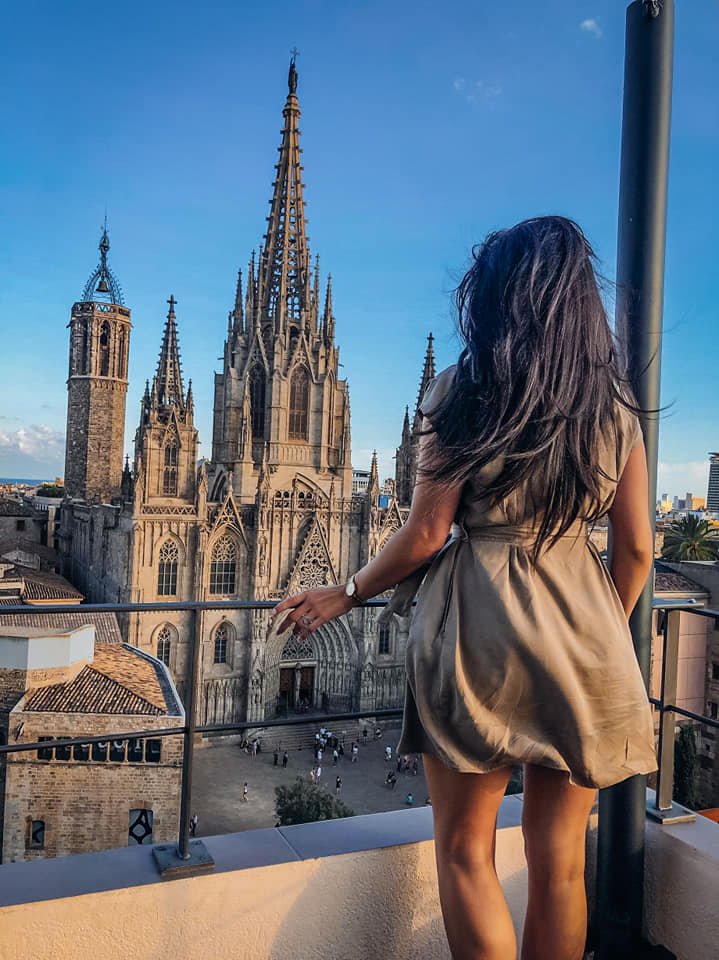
(121, 680)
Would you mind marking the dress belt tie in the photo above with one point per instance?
(406, 590)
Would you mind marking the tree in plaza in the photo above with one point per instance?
(305, 802)
(685, 767)
(690, 539)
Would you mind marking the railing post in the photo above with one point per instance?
(664, 808)
(187, 857)
(640, 292)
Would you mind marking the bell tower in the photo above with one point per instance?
(97, 387)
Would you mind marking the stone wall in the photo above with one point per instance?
(86, 805)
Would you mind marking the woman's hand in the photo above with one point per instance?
(313, 608)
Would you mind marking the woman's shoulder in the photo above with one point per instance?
(436, 390)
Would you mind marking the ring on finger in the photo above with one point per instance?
(306, 621)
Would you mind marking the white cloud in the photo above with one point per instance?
(36, 442)
(678, 479)
(590, 25)
(477, 90)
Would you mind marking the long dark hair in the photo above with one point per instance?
(538, 378)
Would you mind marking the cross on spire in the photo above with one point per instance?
(173, 304)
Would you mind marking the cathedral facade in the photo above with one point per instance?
(271, 513)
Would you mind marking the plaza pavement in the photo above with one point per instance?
(220, 769)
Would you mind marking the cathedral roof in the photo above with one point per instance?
(169, 373)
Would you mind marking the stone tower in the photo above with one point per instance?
(406, 457)
(279, 401)
(166, 439)
(97, 387)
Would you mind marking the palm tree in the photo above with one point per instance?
(690, 539)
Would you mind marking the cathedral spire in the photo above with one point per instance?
(284, 268)
(237, 316)
(428, 373)
(169, 375)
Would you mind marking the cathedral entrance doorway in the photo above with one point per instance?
(297, 683)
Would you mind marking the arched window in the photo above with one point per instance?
(85, 341)
(223, 567)
(167, 569)
(257, 401)
(221, 637)
(384, 640)
(169, 474)
(164, 642)
(105, 349)
(299, 401)
(121, 367)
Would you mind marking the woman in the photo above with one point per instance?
(519, 649)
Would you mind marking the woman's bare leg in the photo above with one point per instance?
(464, 806)
(554, 821)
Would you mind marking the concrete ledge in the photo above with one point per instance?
(340, 890)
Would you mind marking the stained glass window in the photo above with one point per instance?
(223, 567)
(257, 401)
(221, 636)
(169, 474)
(384, 640)
(299, 401)
(164, 639)
(167, 569)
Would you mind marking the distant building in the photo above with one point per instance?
(67, 800)
(712, 503)
(18, 519)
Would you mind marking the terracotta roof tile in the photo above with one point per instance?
(90, 692)
(13, 508)
(123, 665)
(41, 584)
(666, 582)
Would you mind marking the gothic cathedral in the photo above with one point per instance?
(274, 510)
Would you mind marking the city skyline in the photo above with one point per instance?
(181, 152)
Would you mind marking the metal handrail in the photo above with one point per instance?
(663, 805)
(665, 703)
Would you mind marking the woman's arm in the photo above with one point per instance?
(433, 509)
(632, 552)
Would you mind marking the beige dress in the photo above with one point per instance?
(509, 663)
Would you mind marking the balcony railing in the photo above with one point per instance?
(190, 855)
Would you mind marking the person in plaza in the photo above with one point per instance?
(335, 757)
(341, 749)
(388, 752)
(415, 765)
(318, 774)
(193, 824)
(245, 791)
(410, 800)
(519, 649)
(285, 758)
(313, 773)
(355, 753)
(338, 785)
(400, 761)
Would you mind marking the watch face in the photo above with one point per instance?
(350, 588)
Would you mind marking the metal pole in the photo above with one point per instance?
(640, 291)
(189, 740)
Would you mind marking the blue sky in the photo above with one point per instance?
(424, 126)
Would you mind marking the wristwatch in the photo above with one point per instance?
(351, 590)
